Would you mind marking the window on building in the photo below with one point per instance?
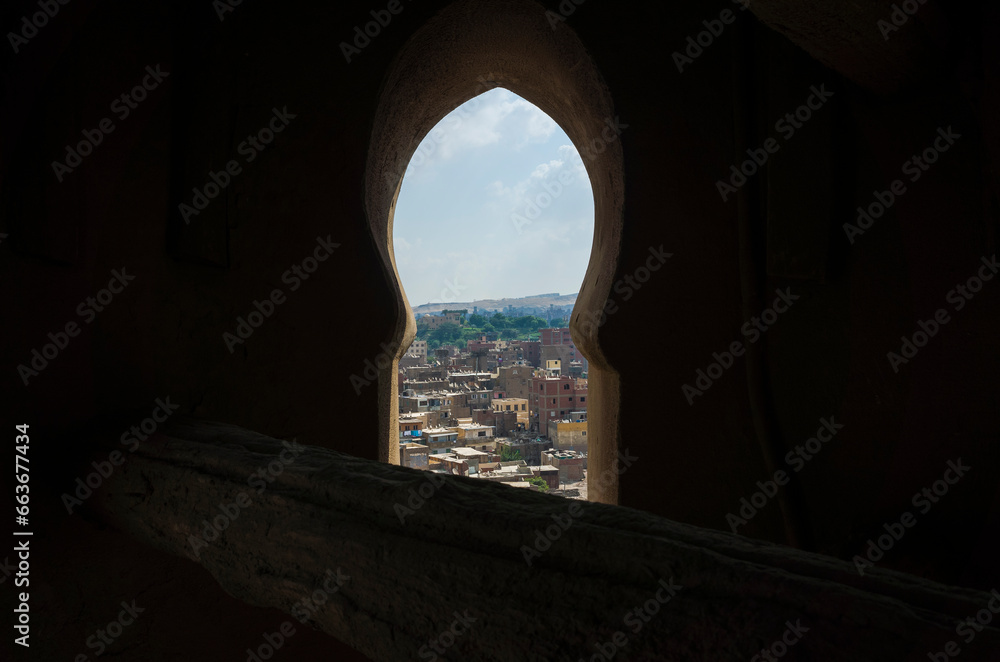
(419, 182)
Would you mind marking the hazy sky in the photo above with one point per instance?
(464, 226)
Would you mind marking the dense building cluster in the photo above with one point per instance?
(511, 411)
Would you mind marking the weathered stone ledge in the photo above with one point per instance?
(463, 551)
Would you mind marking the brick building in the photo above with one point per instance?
(413, 455)
(555, 398)
(569, 463)
(437, 321)
(558, 344)
(514, 381)
(532, 351)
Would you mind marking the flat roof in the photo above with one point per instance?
(561, 454)
(470, 452)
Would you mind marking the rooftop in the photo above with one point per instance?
(433, 431)
(468, 452)
(563, 455)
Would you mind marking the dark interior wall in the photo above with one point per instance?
(827, 356)
(192, 282)
(163, 336)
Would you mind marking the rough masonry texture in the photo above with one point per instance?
(462, 551)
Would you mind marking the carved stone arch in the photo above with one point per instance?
(466, 49)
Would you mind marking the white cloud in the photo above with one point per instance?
(545, 187)
(497, 189)
(482, 121)
(543, 168)
(460, 228)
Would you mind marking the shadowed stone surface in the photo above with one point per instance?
(859, 39)
(462, 551)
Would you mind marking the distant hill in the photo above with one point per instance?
(534, 301)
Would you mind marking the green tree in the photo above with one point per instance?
(508, 454)
(476, 320)
(539, 482)
(446, 333)
(509, 334)
(529, 323)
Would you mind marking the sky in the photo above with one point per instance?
(495, 203)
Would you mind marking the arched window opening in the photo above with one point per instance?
(492, 234)
(511, 45)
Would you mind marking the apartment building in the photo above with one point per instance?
(440, 440)
(413, 455)
(519, 405)
(557, 344)
(437, 321)
(410, 427)
(556, 398)
(514, 381)
(568, 435)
